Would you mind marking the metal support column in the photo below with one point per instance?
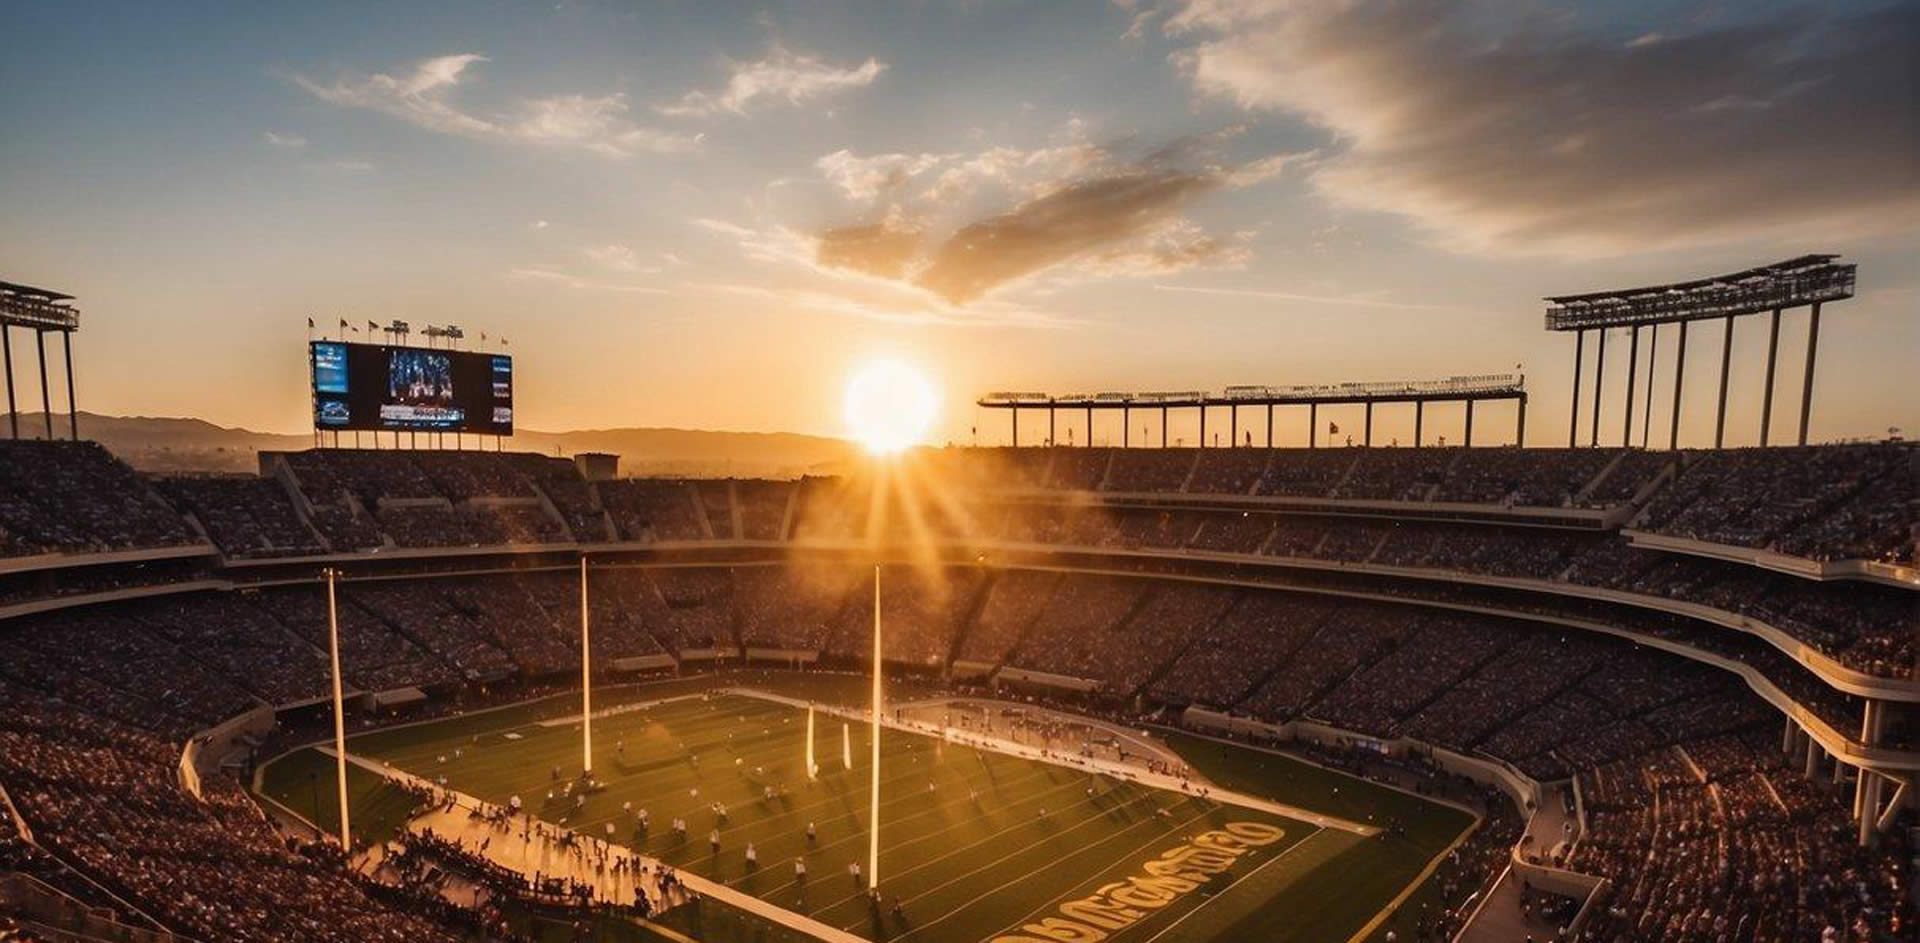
(1599, 380)
(13, 410)
(1313, 424)
(1269, 425)
(1233, 425)
(1679, 375)
(1633, 371)
(1573, 421)
(1520, 424)
(1016, 426)
(1469, 438)
(1126, 427)
(1726, 360)
(1419, 417)
(1653, 364)
(1773, 355)
(1369, 436)
(1806, 388)
(1089, 427)
(1163, 427)
(46, 400)
(73, 409)
(1203, 426)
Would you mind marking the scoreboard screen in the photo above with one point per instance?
(378, 387)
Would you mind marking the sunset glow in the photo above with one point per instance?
(888, 406)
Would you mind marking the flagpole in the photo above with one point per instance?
(586, 677)
(339, 716)
(873, 847)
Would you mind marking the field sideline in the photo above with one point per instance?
(966, 849)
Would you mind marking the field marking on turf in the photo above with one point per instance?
(938, 808)
(1123, 864)
(1172, 784)
(1206, 902)
(1419, 880)
(1023, 849)
(1157, 837)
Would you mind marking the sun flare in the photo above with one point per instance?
(889, 406)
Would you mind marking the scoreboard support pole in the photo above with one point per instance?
(873, 812)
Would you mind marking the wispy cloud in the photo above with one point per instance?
(285, 142)
(423, 97)
(1544, 138)
(780, 76)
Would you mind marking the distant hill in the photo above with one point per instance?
(162, 444)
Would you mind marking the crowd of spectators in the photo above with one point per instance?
(74, 497)
(1826, 502)
(245, 515)
(102, 794)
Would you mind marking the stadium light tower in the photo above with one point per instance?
(586, 678)
(339, 716)
(873, 830)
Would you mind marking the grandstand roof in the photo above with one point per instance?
(1484, 386)
(1791, 283)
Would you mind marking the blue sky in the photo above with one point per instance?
(707, 214)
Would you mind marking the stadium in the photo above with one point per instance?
(1091, 471)
(1004, 693)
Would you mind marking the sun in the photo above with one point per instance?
(889, 406)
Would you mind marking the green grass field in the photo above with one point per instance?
(962, 869)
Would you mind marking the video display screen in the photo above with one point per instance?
(378, 387)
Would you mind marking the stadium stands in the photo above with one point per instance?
(1694, 812)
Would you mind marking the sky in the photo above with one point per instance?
(711, 214)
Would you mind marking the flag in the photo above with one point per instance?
(1333, 428)
(371, 327)
(309, 324)
(503, 342)
(343, 324)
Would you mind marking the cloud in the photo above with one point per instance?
(595, 123)
(1074, 207)
(884, 249)
(915, 310)
(423, 97)
(1543, 139)
(781, 76)
(418, 97)
(285, 142)
(1056, 227)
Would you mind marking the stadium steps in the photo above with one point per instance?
(968, 616)
(1201, 633)
(1454, 682)
(1594, 483)
(1387, 647)
(1306, 638)
(1026, 628)
(399, 629)
(1533, 706)
(786, 517)
(1187, 480)
(733, 509)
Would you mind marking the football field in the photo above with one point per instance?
(976, 844)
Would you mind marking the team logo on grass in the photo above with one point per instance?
(1176, 872)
